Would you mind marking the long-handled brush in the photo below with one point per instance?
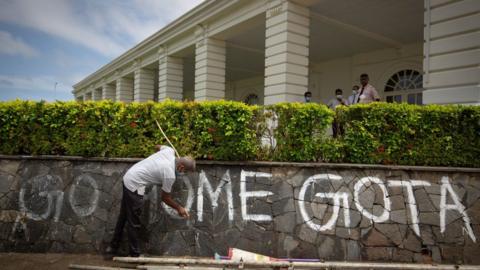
(164, 135)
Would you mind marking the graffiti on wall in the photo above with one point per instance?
(43, 197)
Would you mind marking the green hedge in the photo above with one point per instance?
(300, 130)
(219, 130)
(215, 130)
(377, 133)
(403, 134)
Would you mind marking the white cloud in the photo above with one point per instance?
(15, 46)
(34, 83)
(57, 18)
(109, 27)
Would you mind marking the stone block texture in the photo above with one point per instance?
(334, 214)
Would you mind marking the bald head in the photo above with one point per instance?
(185, 164)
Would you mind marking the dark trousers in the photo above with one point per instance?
(337, 129)
(130, 211)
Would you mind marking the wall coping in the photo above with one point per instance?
(258, 163)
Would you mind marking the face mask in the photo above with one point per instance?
(354, 92)
(308, 99)
(339, 96)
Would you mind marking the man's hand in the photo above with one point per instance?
(183, 212)
(167, 198)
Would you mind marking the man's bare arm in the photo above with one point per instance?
(167, 198)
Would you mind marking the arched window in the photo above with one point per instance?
(405, 86)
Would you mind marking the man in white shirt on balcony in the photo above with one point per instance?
(367, 93)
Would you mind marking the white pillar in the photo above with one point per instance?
(108, 91)
(144, 84)
(170, 77)
(286, 52)
(88, 96)
(451, 62)
(210, 56)
(124, 90)
(97, 94)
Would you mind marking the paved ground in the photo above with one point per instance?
(50, 261)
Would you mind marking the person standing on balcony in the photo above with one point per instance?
(332, 104)
(337, 100)
(308, 97)
(352, 99)
(367, 93)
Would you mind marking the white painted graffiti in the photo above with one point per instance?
(42, 197)
(49, 187)
(188, 205)
(45, 186)
(456, 206)
(446, 188)
(301, 202)
(203, 183)
(244, 195)
(412, 204)
(387, 204)
(87, 210)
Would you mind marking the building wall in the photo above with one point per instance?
(239, 90)
(452, 51)
(334, 212)
(343, 73)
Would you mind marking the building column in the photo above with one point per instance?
(286, 52)
(124, 89)
(210, 56)
(451, 56)
(170, 77)
(87, 96)
(108, 91)
(144, 85)
(97, 94)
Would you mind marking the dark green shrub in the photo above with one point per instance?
(220, 130)
(404, 134)
(300, 130)
(377, 133)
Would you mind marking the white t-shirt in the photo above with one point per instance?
(352, 99)
(334, 102)
(156, 169)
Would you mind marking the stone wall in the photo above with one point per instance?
(329, 211)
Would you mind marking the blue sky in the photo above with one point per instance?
(46, 46)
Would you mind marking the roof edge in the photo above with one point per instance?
(175, 23)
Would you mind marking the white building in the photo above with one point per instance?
(269, 51)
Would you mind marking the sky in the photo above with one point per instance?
(47, 46)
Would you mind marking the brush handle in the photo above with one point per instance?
(161, 130)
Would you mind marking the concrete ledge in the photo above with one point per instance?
(260, 163)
